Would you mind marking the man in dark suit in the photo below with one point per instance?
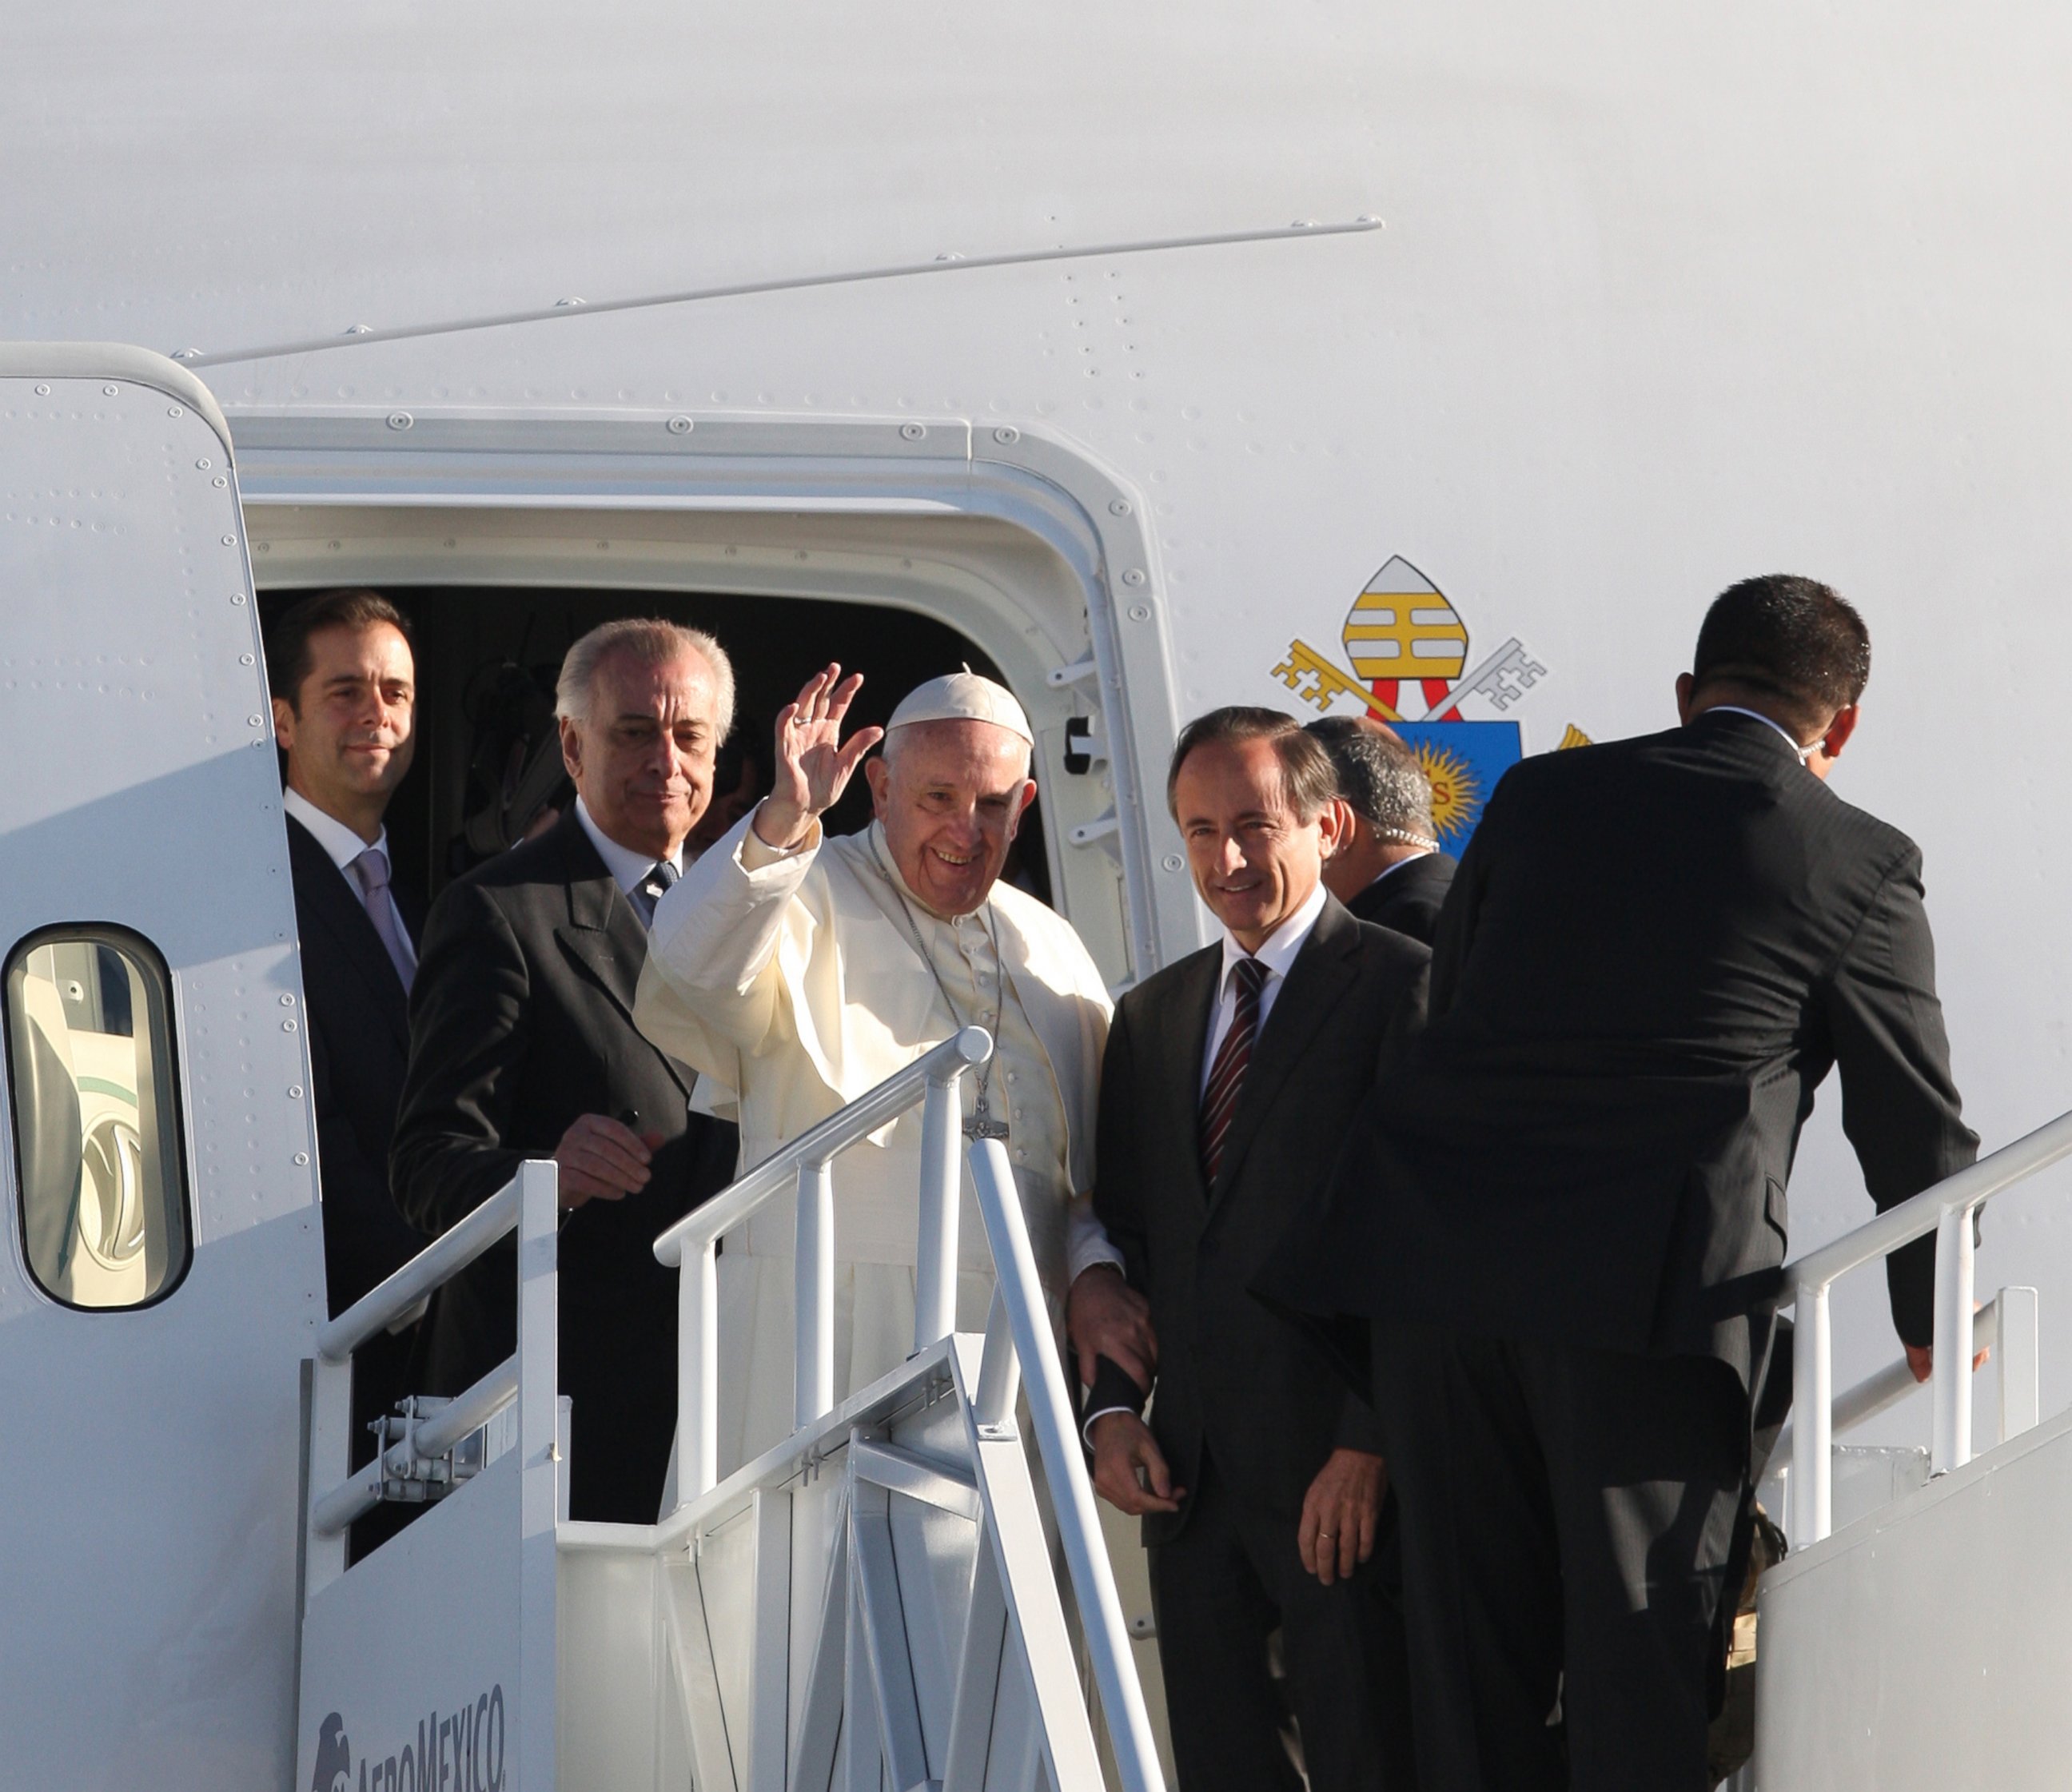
(522, 1046)
(1387, 868)
(1229, 1080)
(1570, 1215)
(345, 716)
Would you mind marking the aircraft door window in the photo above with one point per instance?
(97, 1159)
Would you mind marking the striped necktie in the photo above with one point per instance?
(1227, 1074)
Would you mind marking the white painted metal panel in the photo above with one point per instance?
(151, 1538)
(416, 1651)
(1664, 298)
(1929, 1646)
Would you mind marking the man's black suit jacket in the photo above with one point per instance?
(359, 1027)
(1409, 898)
(1655, 951)
(1242, 1379)
(521, 1019)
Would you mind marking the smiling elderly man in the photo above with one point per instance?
(522, 1045)
(795, 973)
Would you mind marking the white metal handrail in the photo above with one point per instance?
(1946, 1209)
(440, 1261)
(1018, 1297)
(381, 1306)
(692, 1246)
(424, 1439)
(1020, 1352)
(2006, 1325)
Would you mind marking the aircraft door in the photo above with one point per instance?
(163, 1271)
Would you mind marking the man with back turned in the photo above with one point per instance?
(1569, 1216)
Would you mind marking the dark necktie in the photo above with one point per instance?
(1227, 1074)
(651, 889)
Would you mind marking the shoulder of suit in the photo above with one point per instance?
(545, 860)
(1159, 985)
(304, 848)
(1877, 842)
(1385, 948)
(504, 883)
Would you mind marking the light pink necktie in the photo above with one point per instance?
(370, 870)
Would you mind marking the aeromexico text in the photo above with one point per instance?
(461, 1751)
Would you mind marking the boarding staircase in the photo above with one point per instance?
(878, 1601)
(1926, 1640)
(875, 1603)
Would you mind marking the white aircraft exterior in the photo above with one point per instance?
(1172, 357)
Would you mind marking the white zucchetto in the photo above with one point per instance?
(963, 696)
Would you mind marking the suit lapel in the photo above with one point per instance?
(333, 908)
(1181, 1047)
(603, 935)
(1316, 983)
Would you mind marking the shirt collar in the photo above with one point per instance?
(629, 869)
(338, 841)
(1386, 868)
(1283, 945)
(1790, 739)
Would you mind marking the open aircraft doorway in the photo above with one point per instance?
(1039, 560)
(488, 772)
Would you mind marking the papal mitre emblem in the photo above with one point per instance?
(1402, 629)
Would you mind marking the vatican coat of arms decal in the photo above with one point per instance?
(1411, 666)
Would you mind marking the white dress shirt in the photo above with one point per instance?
(1277, 953)
(1804, 753)
(629, 869)
(342, 845)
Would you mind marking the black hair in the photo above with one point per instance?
(1790, 639)
(288, 655)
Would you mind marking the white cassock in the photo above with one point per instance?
(791, 983)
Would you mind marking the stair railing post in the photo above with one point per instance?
(1812, 1402)
(2020, 1403)
(935, 1252)
(1065, 1469)
(813, 1295)
(999, 1370)
(1950, 1442)
(698, 1372)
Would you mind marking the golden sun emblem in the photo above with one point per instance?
(1456, 794)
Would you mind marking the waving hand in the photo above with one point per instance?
(813, 765)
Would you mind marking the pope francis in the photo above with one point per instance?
(795, 972)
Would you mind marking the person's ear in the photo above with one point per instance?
(284, 724)
(1022, 808)
(1840, 729)
(571, 750)
(1334, 827)
(878, 775)
(1685, 685)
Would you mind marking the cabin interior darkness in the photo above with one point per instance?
(468, 639)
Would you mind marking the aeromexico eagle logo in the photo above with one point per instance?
(1408, 650)
(460, 1751)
